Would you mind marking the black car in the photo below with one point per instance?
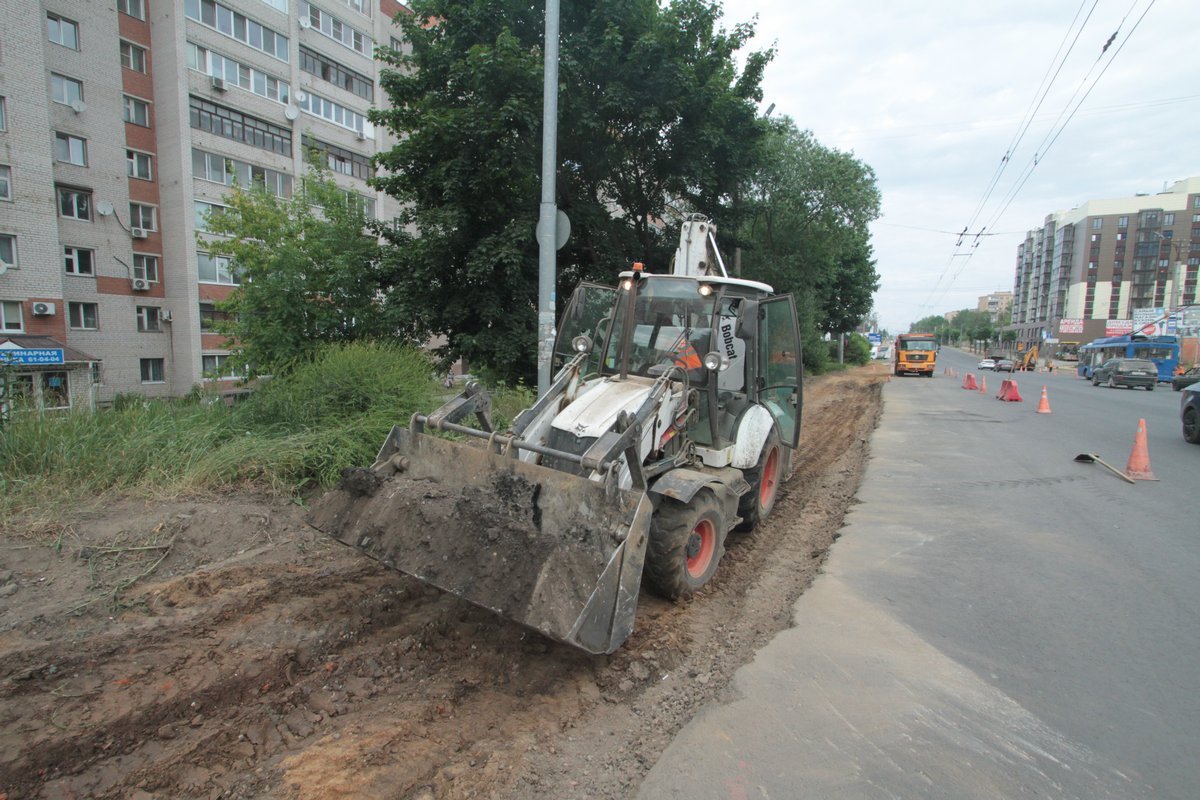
(1189, 412)
(1127, 372)
(1004, 365)
(1186, 379)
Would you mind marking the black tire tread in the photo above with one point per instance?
(666, 559)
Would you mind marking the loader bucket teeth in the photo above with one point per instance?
(550, 550)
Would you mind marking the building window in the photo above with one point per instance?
(226, 122)
(1095, 237)
(6, 191)
(215, 269)
(74, 203)
(340, 160)
(70, 149)
(79, 261)
(3, 114)
(340, 76)
(335, 29)
(139, 165)
(134, 8)
(278, 5)
(10, 316)
(133, 57)
(1121, 236)
(334, 112)
(136, 112)
(148, 319)
(8, 250)
(61, 30)
(145, 267)
(1097, 223)
(210, 316)
(83, 316)
(1122, 222)
(67, 91)
(152, 370)
(217, 367)
(236, 26)
(219, 169)
(201, 211)
(235, 73)
(142, 216)
(1168, 219)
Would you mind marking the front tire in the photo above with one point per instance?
(1191, 425)
(764, 479)
(1095, 381)
(686, 543)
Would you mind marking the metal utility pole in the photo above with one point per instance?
(548, 212)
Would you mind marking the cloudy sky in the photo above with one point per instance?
(933, 93)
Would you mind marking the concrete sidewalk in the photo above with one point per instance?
(852, 702)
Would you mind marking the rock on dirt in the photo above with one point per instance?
(220, 647)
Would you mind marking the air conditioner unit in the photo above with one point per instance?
(164, 315)
(218, 83)
(362, 137)
(43, 309)
(140, 285)
(139, 233)
(78, 106)
(305, 23)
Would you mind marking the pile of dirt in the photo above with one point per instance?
(220, 647)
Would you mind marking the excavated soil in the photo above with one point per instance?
(221, 648)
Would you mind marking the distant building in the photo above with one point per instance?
(121, 124)
(1087, 272)
(997, 304)
(950, 315)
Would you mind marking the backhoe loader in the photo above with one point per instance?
(671, 422)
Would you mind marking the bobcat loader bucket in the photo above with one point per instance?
(553, 551)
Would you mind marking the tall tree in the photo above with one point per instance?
(807, 232)
(308, 268)
(653, 113)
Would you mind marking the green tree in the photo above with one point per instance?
(931, 324)
(653, 113)
(308, 268)
(806, 230)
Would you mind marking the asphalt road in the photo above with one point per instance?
(997, 620)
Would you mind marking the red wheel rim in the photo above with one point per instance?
(769, 481)
(701, 546)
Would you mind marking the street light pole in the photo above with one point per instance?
(548, 211)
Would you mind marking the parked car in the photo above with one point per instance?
(1127, 372)
(987, 363)
(1004, 365)
(1189, 413)
(1186, 379)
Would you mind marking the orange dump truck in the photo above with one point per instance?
(916, 353)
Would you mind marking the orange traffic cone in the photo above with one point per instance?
(1138, 467)
(1044, 403)
(983, 384)
(969, 382)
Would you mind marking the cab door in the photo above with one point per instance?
(589, 313)
(780, 369)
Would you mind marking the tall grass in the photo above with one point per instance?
(296, 431)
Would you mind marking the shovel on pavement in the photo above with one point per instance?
(1090, 458)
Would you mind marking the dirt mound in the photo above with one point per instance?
(222, 648)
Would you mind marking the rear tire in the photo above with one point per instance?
(764, 479)
(686, 543)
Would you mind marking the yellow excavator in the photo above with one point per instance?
(1028, 361)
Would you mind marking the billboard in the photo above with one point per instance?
(1118, 327)
(1070, 326)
